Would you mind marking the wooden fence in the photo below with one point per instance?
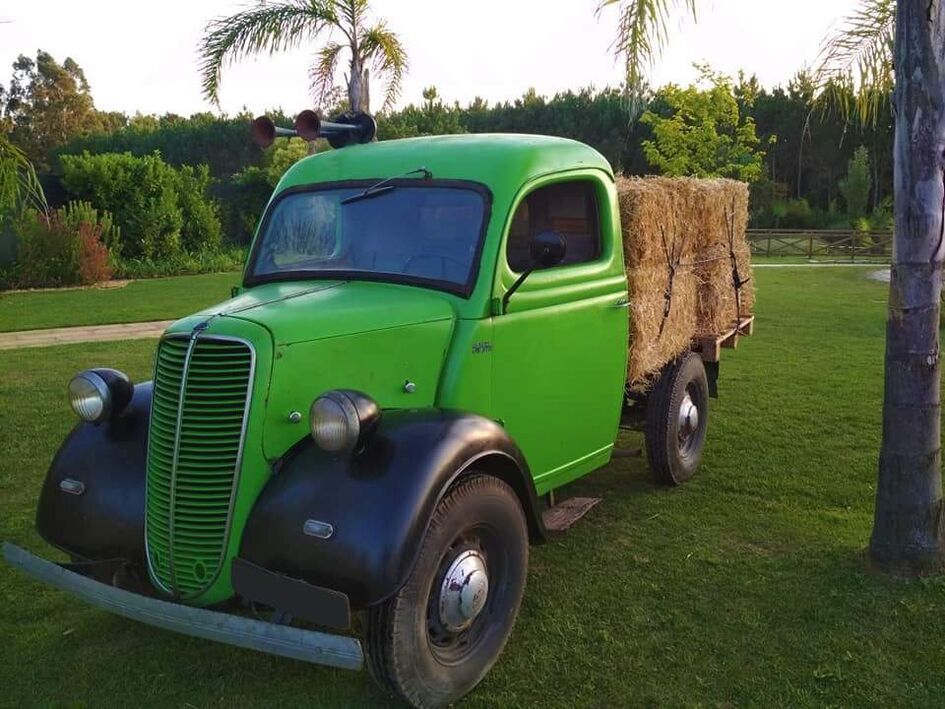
(822, 245)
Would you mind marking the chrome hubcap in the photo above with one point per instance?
(688, 421)
(464, 591)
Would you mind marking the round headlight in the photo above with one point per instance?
(90, 397)
(99, 394)
(341, 421)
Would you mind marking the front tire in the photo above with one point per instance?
(677, 416)
(440, 634)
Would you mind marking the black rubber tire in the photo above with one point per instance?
(670, 465)
(401, 654)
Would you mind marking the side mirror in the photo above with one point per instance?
(547, 249)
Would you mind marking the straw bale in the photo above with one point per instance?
(650, 349)
(688, 223)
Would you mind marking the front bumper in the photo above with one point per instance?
(296, 643)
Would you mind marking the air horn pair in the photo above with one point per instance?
(346, 129)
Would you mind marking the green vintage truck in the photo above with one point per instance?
(429, 339)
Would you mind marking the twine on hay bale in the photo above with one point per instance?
(679, 235)
(650, 349)
(722, 247)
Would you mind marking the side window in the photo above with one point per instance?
(569, 208)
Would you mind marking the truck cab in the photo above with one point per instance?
(430, 337)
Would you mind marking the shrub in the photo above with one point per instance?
(182, 264)
(201, 220)
(161, 210)
(62, 249)
(244, 198)
(78, 213)
(94, 259)
(47, 253)
(856, 186)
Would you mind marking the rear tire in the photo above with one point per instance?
(677, 416)
(422, 643)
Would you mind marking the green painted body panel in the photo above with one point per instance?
(560, 354)
(551, 369)
(311, 310)
(379, 362)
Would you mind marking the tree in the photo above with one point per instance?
(909, 524)
(856, 186)
(18, 184)
(432, 97)
(47, 104)
(859, 54)
(286, 24)
(702, 134)
(642, 32)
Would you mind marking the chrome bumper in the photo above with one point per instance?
(296, 643)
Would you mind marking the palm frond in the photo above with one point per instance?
(267, 27)
(642, 32)
(859, 51)
(19, 185)
(322, 74)
(352, 11)
(382, 50)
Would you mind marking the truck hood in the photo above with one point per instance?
(296, 312)
(387, 340)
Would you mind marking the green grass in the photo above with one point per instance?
(746, 587)
(152, 299)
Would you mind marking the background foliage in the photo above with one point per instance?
(187, 192)
(702, 133)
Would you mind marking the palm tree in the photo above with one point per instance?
(19, 185)
(884, 44)
(860, 53)
(642, 33)
(287, 24)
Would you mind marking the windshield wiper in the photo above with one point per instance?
(383, 187)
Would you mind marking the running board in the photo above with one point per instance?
(564, 515)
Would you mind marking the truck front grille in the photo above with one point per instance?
(198, 416)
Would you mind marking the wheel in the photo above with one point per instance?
(439, 635)
(677, 415)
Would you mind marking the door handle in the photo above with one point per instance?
(622, 303)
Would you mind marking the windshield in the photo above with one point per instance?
(424, 234)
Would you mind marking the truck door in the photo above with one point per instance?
(560, 349)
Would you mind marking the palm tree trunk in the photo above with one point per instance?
(908, 527)
(354, 82)
(366, 90)
(355, 88)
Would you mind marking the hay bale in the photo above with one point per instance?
(723, 216)
(694, 222)
(651, 348)
(651, 209)
(656, 233)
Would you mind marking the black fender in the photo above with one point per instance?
(105, 520)
(378, 503)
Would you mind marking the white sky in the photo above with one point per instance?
(141, 56)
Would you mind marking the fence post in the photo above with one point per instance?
(853, 248)
(769, 243)
(810, 248)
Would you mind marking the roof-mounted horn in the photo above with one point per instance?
(346, 129)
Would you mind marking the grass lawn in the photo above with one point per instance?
(152, 299)
(746, 587)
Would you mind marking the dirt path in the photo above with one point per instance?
(89, 333)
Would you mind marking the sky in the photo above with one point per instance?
(141, 56)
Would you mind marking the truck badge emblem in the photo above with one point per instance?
(480, 347)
